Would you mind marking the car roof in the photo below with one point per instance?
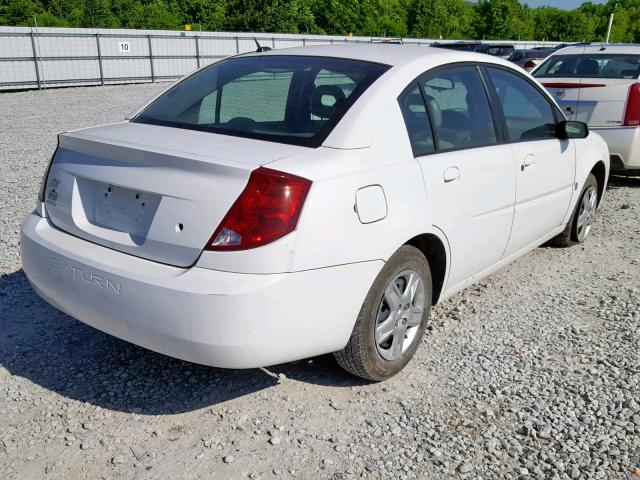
(599, 48)
(388, 54)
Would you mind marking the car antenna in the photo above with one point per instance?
(260, 48)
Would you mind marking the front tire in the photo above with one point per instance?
(579, 226)
(392, 319)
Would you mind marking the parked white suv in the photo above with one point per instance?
(600, 85)
(279, 205)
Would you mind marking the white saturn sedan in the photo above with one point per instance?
(600, 85)
(284, 204)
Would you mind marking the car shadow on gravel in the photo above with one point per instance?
(61, 354)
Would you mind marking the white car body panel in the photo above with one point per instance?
(624, 144)
(476, 208)
(545, 172)
(600, 103)
(300, 295)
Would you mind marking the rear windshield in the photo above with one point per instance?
(287, 99)
(537, 53)
(590, 66)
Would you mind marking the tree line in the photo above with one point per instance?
(447, 19)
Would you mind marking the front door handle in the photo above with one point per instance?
(451, 174)
(529, 160)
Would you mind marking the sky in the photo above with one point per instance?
(564, 4)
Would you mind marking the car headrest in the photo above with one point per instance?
(588, 67)
(435, 111)
(566, 68)
(325, 100)
(434, 107)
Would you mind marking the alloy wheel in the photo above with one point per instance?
(400, 314)
(586, 213)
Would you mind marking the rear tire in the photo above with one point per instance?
(393, 318)
(579, 225)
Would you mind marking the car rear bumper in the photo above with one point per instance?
(205, 316)
(624, 146)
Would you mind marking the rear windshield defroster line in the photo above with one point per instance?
(290, 99)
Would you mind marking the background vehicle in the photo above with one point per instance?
(599, 85)
(457, 46)
(502, 50)
(530, 58)
(284, 204)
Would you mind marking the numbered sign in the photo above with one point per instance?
(124, 47)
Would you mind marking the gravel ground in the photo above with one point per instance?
(534, 373)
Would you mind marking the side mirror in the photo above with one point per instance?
(569, 129)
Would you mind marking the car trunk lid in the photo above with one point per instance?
(599, 102)
(568, 93)
(604, 106)
(151, 191)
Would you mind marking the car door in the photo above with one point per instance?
(545, 164)
(469, 177)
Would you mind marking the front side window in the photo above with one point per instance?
(459, 108)
(590, 66)
(280, 98)
(527, 113)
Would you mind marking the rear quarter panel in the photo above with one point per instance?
(329, 231)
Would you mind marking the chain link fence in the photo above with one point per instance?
(54, 57)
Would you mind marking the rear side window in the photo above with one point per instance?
(416, 119)
(279, 98)
(459, 108)
(528, 114)
(590, 66)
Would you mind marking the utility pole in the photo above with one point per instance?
(40, 80)
(609, 29)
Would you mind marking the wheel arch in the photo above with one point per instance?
(599, 171)
(435, 251)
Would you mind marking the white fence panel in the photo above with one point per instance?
(49, 57)
(16, 46)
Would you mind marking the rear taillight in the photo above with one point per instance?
(43, 182)
(529, 64)
(632, 113)
(266, 210)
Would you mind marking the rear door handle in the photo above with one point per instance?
(528, 161)
(451, 174)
